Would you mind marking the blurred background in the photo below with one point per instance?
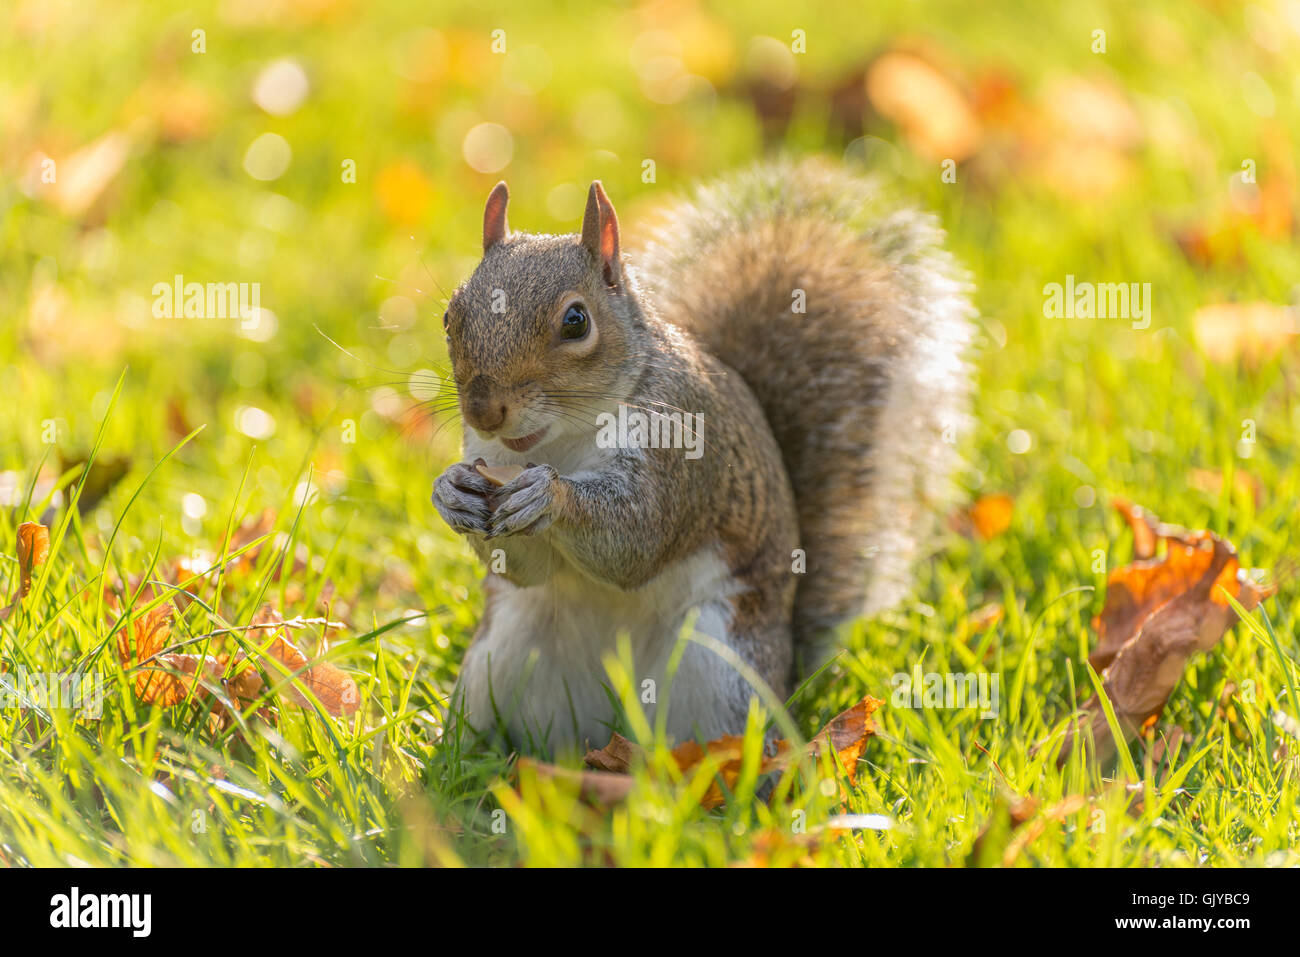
(337, 154)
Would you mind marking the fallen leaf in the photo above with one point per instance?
(173, 110)
(249, 531)
(985, 617)
(1013, 824)
(1135, 591)
(987, 518)
(604, 788)
(333, 687)
(178, 423)
(1087, 132)
(1010, 812)
(1262, 205)
(617, 756)
(84, 176)
(929, 109)
(1142, 524)
(168, 679)
(1158, 612)
(780, 847)
(1092, 110)
(33, 549)
(846, 734)
(139, 645)
(403, 192)
(1252, 332)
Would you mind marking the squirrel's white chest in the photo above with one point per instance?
(538, 662)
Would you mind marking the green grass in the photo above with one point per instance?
(1111, 411)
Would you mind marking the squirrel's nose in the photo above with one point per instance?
(484, 408)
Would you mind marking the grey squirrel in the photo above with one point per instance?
(810, 342)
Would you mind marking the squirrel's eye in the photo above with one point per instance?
(575, 323)
(445, 320)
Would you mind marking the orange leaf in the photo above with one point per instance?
(985, 617)
(988, 517)
(1158, 612)
(404, 192)
(167, 679)
(847, 734)
(333, 687)
(33, 548)
(1143, 526)
(168, 684)
(156, 682)
(1253, 331)
(932, 112)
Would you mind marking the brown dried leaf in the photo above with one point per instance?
(779, 847)
(1159, 612)
(1005, 836)
(1135, 591)
(167, 679)
(157, 680)
(728, 753)
(33, 549)
(170, 682)
(104, 474)
(604, 788)
(847, 734)
(617, 756)
(332, 686)
(1142, 524)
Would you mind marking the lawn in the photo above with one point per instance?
(337, 155)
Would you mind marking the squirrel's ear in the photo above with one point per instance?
(600, 234)
(494, 216)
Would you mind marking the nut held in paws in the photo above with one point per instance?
(499, 475)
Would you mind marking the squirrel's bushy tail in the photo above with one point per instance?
(866, 389)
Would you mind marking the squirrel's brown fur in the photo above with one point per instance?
(831, 430)
(866, 392)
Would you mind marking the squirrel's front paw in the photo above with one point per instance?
(461, 495)
(525, 504)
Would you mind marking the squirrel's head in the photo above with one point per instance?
(547, 332)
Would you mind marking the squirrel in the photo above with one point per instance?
(801, 343)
